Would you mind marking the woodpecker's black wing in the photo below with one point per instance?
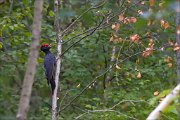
(49, 65)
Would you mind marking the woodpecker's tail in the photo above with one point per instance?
(53, 85)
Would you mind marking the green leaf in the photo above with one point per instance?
(25, 2)
(1, 45)
(11, 27)
(51, 13)
(88, 106)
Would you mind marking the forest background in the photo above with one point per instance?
(118, 58)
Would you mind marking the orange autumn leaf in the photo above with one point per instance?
(133, 19)
(139, 75)
(120, 40)
(126, 20)
(156, 93)
(129, 1)
(168, 59)
(134, 38)
(129, 20)
(149, 49)
(170, 43)
(147, 52)
(112, 39)
(170, 65)
(164, 24)
(121, 17)
(115, 26)
(176, 47)
(151, 2)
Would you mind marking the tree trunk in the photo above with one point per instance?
(58, 62)
(178, 52)
(2, 1)
(31, 64)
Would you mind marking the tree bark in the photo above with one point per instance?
(155, 114)
(31, 64)
(178, 39)
(178, 52)
(58, 58)
(2, 1)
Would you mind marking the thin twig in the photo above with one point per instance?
(89, 30)
(105, 110)
(91, 8)
(64, 97)
(92, 30)
(127, 101)
(82, 38)
(11, 6)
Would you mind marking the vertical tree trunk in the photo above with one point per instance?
(178, 52)
(31, 64)
(107, 82)
(2, 1)
(178, 39)
(107, 79)
(58, 62)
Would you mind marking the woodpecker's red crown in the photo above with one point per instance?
(45, 47)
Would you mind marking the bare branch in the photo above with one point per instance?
(92, 30)
(91, 8)
(82, 38)
(123, 101)
(105, 110)
(111, 109)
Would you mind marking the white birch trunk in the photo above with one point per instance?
(58, 62)
(155, 114)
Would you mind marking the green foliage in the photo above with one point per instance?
(127, 96)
